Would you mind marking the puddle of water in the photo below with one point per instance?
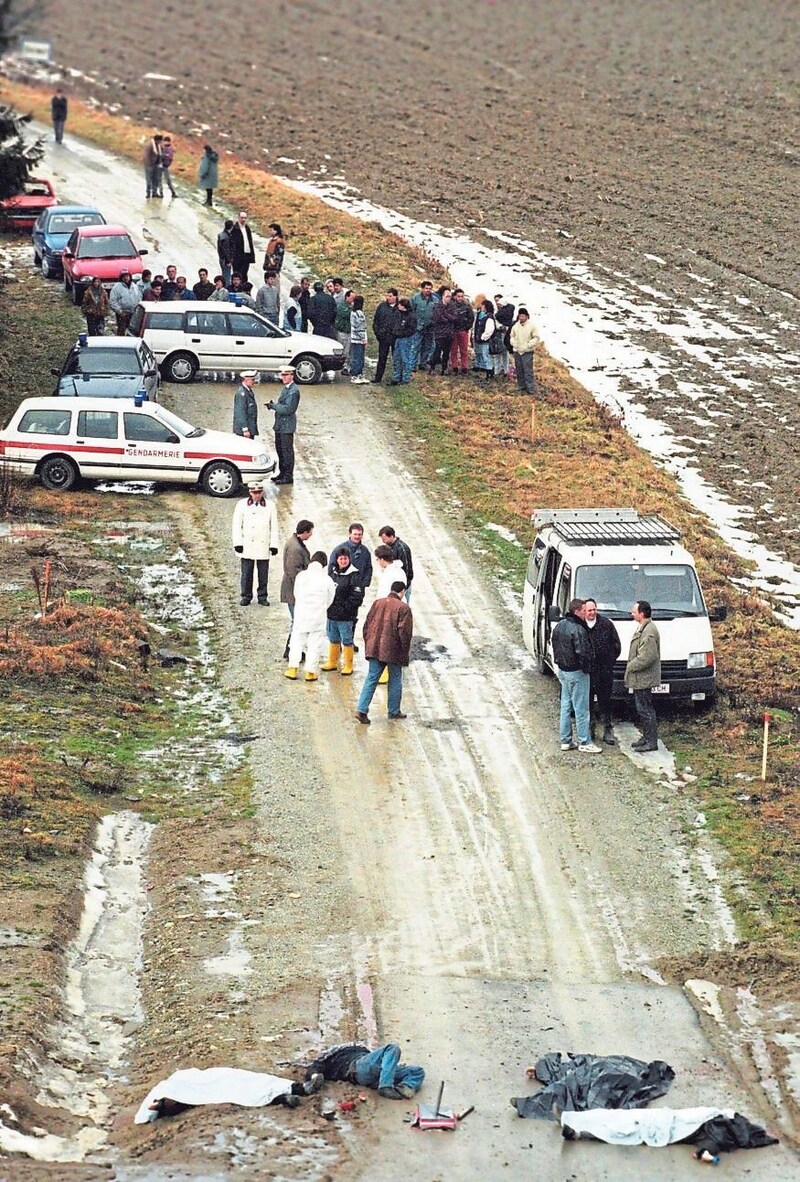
(292, 1154)
(131, 488)
(102, 1002)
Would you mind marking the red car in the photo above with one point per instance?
(103, 251)
(20, 212)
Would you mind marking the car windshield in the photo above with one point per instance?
(104, 361)
(65, 223)
(179, 426)
(107, 246)
(673, 591)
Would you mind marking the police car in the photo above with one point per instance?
(61, 440)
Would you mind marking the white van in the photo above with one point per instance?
(61, 440)
(617, 557)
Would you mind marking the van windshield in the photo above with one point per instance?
(672, 591)
(179, 426)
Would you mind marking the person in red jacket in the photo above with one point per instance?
(388, 629)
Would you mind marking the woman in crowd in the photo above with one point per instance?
(482, 332)
(276, 249)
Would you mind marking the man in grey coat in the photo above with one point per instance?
(123, 300)
(285, 425)
(642, 672)
(245, 409)
(268, 299)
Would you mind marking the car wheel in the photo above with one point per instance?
(36, 259)
(179, 367)
(220, 479)
(58, 473)
(307, 369)
(47, 267)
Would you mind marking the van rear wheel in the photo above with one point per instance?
(179, 367)
(58, 473)
(220, 479)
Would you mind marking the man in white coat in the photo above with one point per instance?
(255, 539)
(314, 590)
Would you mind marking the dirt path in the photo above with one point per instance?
(494, 899)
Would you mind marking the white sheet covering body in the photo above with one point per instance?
(215, 1085)
(640, 1126)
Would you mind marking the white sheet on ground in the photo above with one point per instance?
(640, 1126)
(215, 1085)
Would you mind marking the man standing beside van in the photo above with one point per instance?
(642, 672)
(606, 647)
(572, 652)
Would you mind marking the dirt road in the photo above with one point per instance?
(455, 883)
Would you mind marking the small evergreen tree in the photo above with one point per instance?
(17, 158)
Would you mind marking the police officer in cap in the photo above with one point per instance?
(245, 410)
(285, 425)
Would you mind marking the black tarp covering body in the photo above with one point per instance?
(576, 1083)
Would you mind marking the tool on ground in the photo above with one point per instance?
(433, 1116)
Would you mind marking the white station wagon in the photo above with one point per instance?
(61, 440)
(187, 336)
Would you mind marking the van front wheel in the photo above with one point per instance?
(220, 479)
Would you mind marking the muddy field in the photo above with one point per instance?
(657, 143)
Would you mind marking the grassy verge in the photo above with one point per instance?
(483, 443)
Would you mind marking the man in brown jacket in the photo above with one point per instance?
(642, 672)
(387, 644)
(295, 558)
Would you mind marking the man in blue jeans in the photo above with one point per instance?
(388, 629)
(380, 1069)
(572, 652)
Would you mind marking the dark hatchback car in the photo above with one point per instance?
(109, 367)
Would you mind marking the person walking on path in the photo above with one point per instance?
(255, 540)
(400, 551)
(423, 304)
(358, 341)
(244, 251)
(606, 647)
(383, 328)
(642, 672)
(444, 326)
(572, 652)
(388, 630)
(59, 109)
(123, 299)
(314, 590)
(167, 157)
(275, 251)
(463, 316)
(343, 612)
(405, 330)
(225, 252)
(285, 425)
(208, 173)
(94, 306)
(245, 408)
(151, 159)
(524, 339)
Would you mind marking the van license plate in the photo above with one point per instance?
(661, 689)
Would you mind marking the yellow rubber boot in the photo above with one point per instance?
(333, 659)
(347, 660)
(312, 676)
(291, 674)
(384, 677)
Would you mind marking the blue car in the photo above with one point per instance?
(51, 230)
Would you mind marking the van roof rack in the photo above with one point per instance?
(609, 527)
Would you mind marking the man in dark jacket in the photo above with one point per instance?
(303, 300)
(388, 630)
(343, 612)
(463, 321)
(322, 312)
(405, 330)
(606, 647)
(244, 251)
(359, 553)
(572, 652)
(383, 327)
(225, 252)
(58, 111)
(401, 550)
(285, 425)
